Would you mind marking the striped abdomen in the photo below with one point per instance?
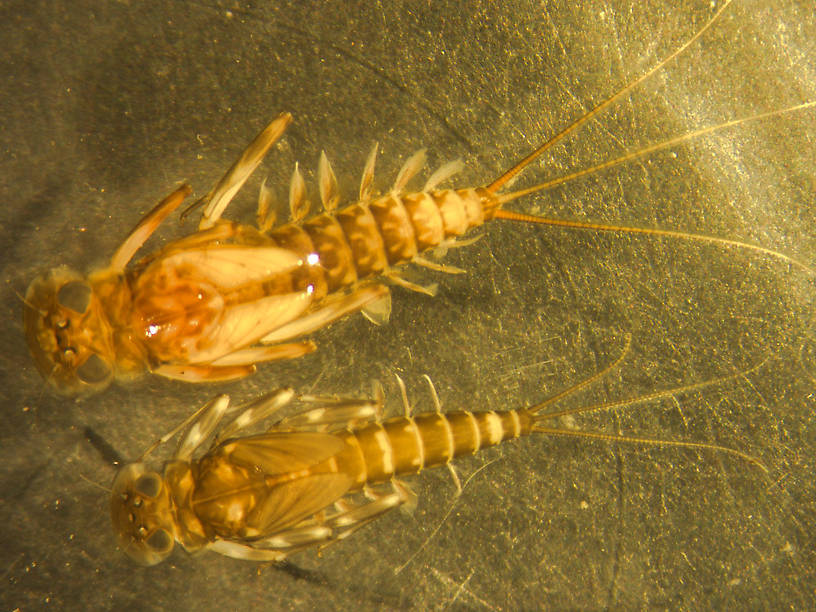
(366, 238)
(406, 445)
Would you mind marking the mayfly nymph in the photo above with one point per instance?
(213, 304)
(316, 476)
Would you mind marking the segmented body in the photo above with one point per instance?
(233, 491)
(365, 239)
(298, 484)
(211, 305)
(215, 303)
(406, 445)
(265, 496)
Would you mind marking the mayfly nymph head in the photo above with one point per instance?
(67, 333)
(142, 514)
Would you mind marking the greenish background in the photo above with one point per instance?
(106, 105)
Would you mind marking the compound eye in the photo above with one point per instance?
(75, 295)
(94, 370)
(160, 541)
(148, 485)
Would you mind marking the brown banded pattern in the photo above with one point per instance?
(263, 290)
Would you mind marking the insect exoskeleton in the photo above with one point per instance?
(316, 476)
(67, 331)
(213, 304)
(141, 499)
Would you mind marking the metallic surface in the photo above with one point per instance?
(105, 106)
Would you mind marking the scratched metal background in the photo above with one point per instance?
(106, 105)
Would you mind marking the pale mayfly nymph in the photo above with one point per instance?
(317, 476)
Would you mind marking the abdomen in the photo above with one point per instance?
(405, 445)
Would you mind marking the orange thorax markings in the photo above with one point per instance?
(229, 496)
(225, 494)
(174, 305)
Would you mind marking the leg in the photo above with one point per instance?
(395, 278)
(220, 231)
(245, 552)
(332, 310)
(147, 226)
(235, 365)
(209, 415)
(203, 373)
(260, 354)
(341, 525)
(255, 412)
(202, 427)
(333, 410)
(323, 533)
(436, 267)
(221, 195)
(345, 523)
(453, 243)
